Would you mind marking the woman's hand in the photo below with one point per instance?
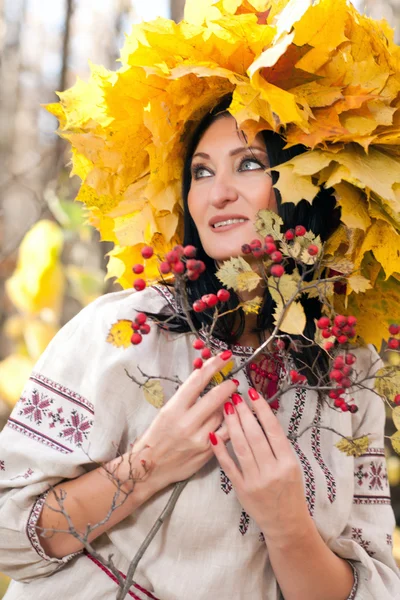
(269, 483)
(177, 444)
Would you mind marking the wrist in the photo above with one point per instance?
(297, 533)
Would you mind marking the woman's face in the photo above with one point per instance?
(229, 186)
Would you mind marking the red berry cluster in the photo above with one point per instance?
(394, 342)
(211, 300)
(198, 344)
(397, 400)
(300, 231)
(342, 328)
(140, 327)
(342, 369)
(296, 377)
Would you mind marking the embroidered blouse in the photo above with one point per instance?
(80, 403)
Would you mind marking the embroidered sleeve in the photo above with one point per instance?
(32, 533)
(366, 539)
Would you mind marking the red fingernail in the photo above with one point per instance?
(229, 408)
(253, 394)
(236, 382)
(226, 354)
(213, 438)
(236, 399)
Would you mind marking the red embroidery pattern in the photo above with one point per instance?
(143, 593)
(295, 419)
(316, 448)
(389, 540)
(356, 534)
(226, 485)
(355, 585)
(371, 478)
(244, 522)
(2, 465)
(44, 416)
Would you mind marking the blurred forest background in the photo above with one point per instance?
(51, 262)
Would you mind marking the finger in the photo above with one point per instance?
(276, 436)
(216, 423)
(199, 379)
(227, 463)
(254, 432)
(211, 403)
(240, 443)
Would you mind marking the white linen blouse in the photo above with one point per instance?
(80, 403)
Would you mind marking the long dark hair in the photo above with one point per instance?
(322, 217)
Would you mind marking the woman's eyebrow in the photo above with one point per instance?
(233, 152)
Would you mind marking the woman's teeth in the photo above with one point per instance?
(228, 222)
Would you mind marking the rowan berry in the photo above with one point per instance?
(201, 266)
(255, 244)
(397, 400)
(336, 331)
(246, 249)
(333, 394)
(353, 408)
(172, 256)
(342, 339)
(339, 362)
(164, 268)
(352, 321)
(346, 383)
(393, 344)
(350, 359)
(340, 321)
(193, 265)
(336, 375)
(329, 346)
(296, 377)
(179, 250)
(394, 329)
(198, 344)
(277, 257)
(289, 235)
(141, 318)
(347, 370)
(178, 268)
(323, 323)
(199, 306)
(138, 269)
(223, 295)
(189, 252)
(147, 252)
(269, 239)
(136, 339)
(300, 230)
(206, 353)
(139, 284)
(326, 333)
(277, 270)
(258, 253)
(193, 275)
(312, 250)
(280, 344)
(197, 363)
(351, 334)
(339, 402)
(134, 326)
(210, 300)
(345, 407)
(270, 248)
(145, 329)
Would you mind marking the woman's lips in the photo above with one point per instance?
(227, 227)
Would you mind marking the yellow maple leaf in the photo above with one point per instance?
(285, 288)
(248, 281)
(294, 320)
(120, 334)
(358, 284)
(217, 379)
(353, 447)
(154, 393)
(230, 270)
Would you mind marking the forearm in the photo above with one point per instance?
(306, 569)
(107, 494)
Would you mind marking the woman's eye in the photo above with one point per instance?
(249, 164)
(201, 172)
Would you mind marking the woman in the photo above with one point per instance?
(321, 537)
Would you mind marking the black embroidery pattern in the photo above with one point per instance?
(357, 536)
(316, 448)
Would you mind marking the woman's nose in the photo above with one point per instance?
(222, 192)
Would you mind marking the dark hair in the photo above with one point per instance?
(322, 217)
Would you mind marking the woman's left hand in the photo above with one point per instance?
(269, 484)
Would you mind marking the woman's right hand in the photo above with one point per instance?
(177, 445)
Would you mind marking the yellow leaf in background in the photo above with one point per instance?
(294, 320)
(120, 334)
(15, 371)
(217, 379)
(384, 242)
(354, 206)
(269, 223)
(37, 336)
(387, 382)
(358, 284)
(230, 269)
(248, 281)
(284, 288)
(396, 417)
(252, 306)
(356, 447)
(395, 440)
(154, 393)
(294, 187)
